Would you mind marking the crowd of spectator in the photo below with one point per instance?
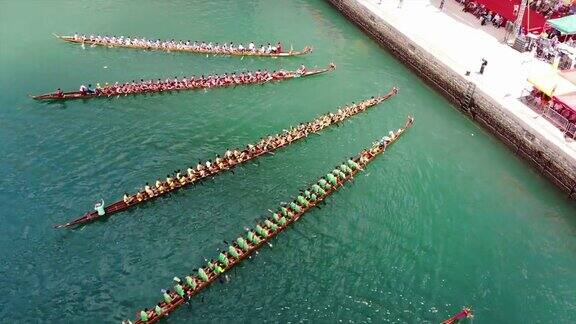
(545, 45)
(548, 8)
(551, 8)
(549, 45)
(481, 12)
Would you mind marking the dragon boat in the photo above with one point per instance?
(267, 229)
(171, 46)
(281, 140)
(465, 313)
(217, 81)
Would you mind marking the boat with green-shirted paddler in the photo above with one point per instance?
(266, 229)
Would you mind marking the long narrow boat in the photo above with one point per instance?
(110, 91)
(321, 122)
(465, 313)
(168, 46)
(265, 230)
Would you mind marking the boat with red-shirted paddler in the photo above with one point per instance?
(180, 84)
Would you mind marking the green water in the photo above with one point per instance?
(447, 217)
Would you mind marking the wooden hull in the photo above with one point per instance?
(52, 96)
(304, 51)
(369, 155)
(120, 205)
(465, 313)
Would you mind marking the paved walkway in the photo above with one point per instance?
(458, 40)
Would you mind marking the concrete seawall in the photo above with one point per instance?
(538, 151)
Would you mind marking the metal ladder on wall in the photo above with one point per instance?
(468, 96)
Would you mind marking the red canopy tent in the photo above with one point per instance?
(568, 103)
(567, 100)
(532, 21)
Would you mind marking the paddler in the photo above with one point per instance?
(364, 157)
(190, 282)
(181, 178)
(99, 207)
(279, 48)
(218, 160)
(178, 287)
(223, 259)
(159, 185)
(270, 225)
(170, 181)
(302, 201)
(353, 165)
(144, 315)
(158, 309)
(218, 270)
(127, 198)
(344, 168)
(148, 190)
(301, 70)
(331, 179)
(199, 166)
(323, 184)
(59, 93)
(190, 172)
(167, 297)
(338, 173)
(98, 89)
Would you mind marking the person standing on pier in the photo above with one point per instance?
(483, 66)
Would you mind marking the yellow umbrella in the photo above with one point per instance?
(552, 84)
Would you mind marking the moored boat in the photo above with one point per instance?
(186, 47)
(194, 83)
(258, 149)
(265, 230)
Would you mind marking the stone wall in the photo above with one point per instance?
(547, 158)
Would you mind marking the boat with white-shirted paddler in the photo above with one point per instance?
(196, 47)
(230, 159)
(265, 230)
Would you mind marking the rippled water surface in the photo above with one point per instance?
(447, 217)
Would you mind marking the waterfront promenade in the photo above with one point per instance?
(458, 41)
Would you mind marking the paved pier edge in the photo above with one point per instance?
(547, 158)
